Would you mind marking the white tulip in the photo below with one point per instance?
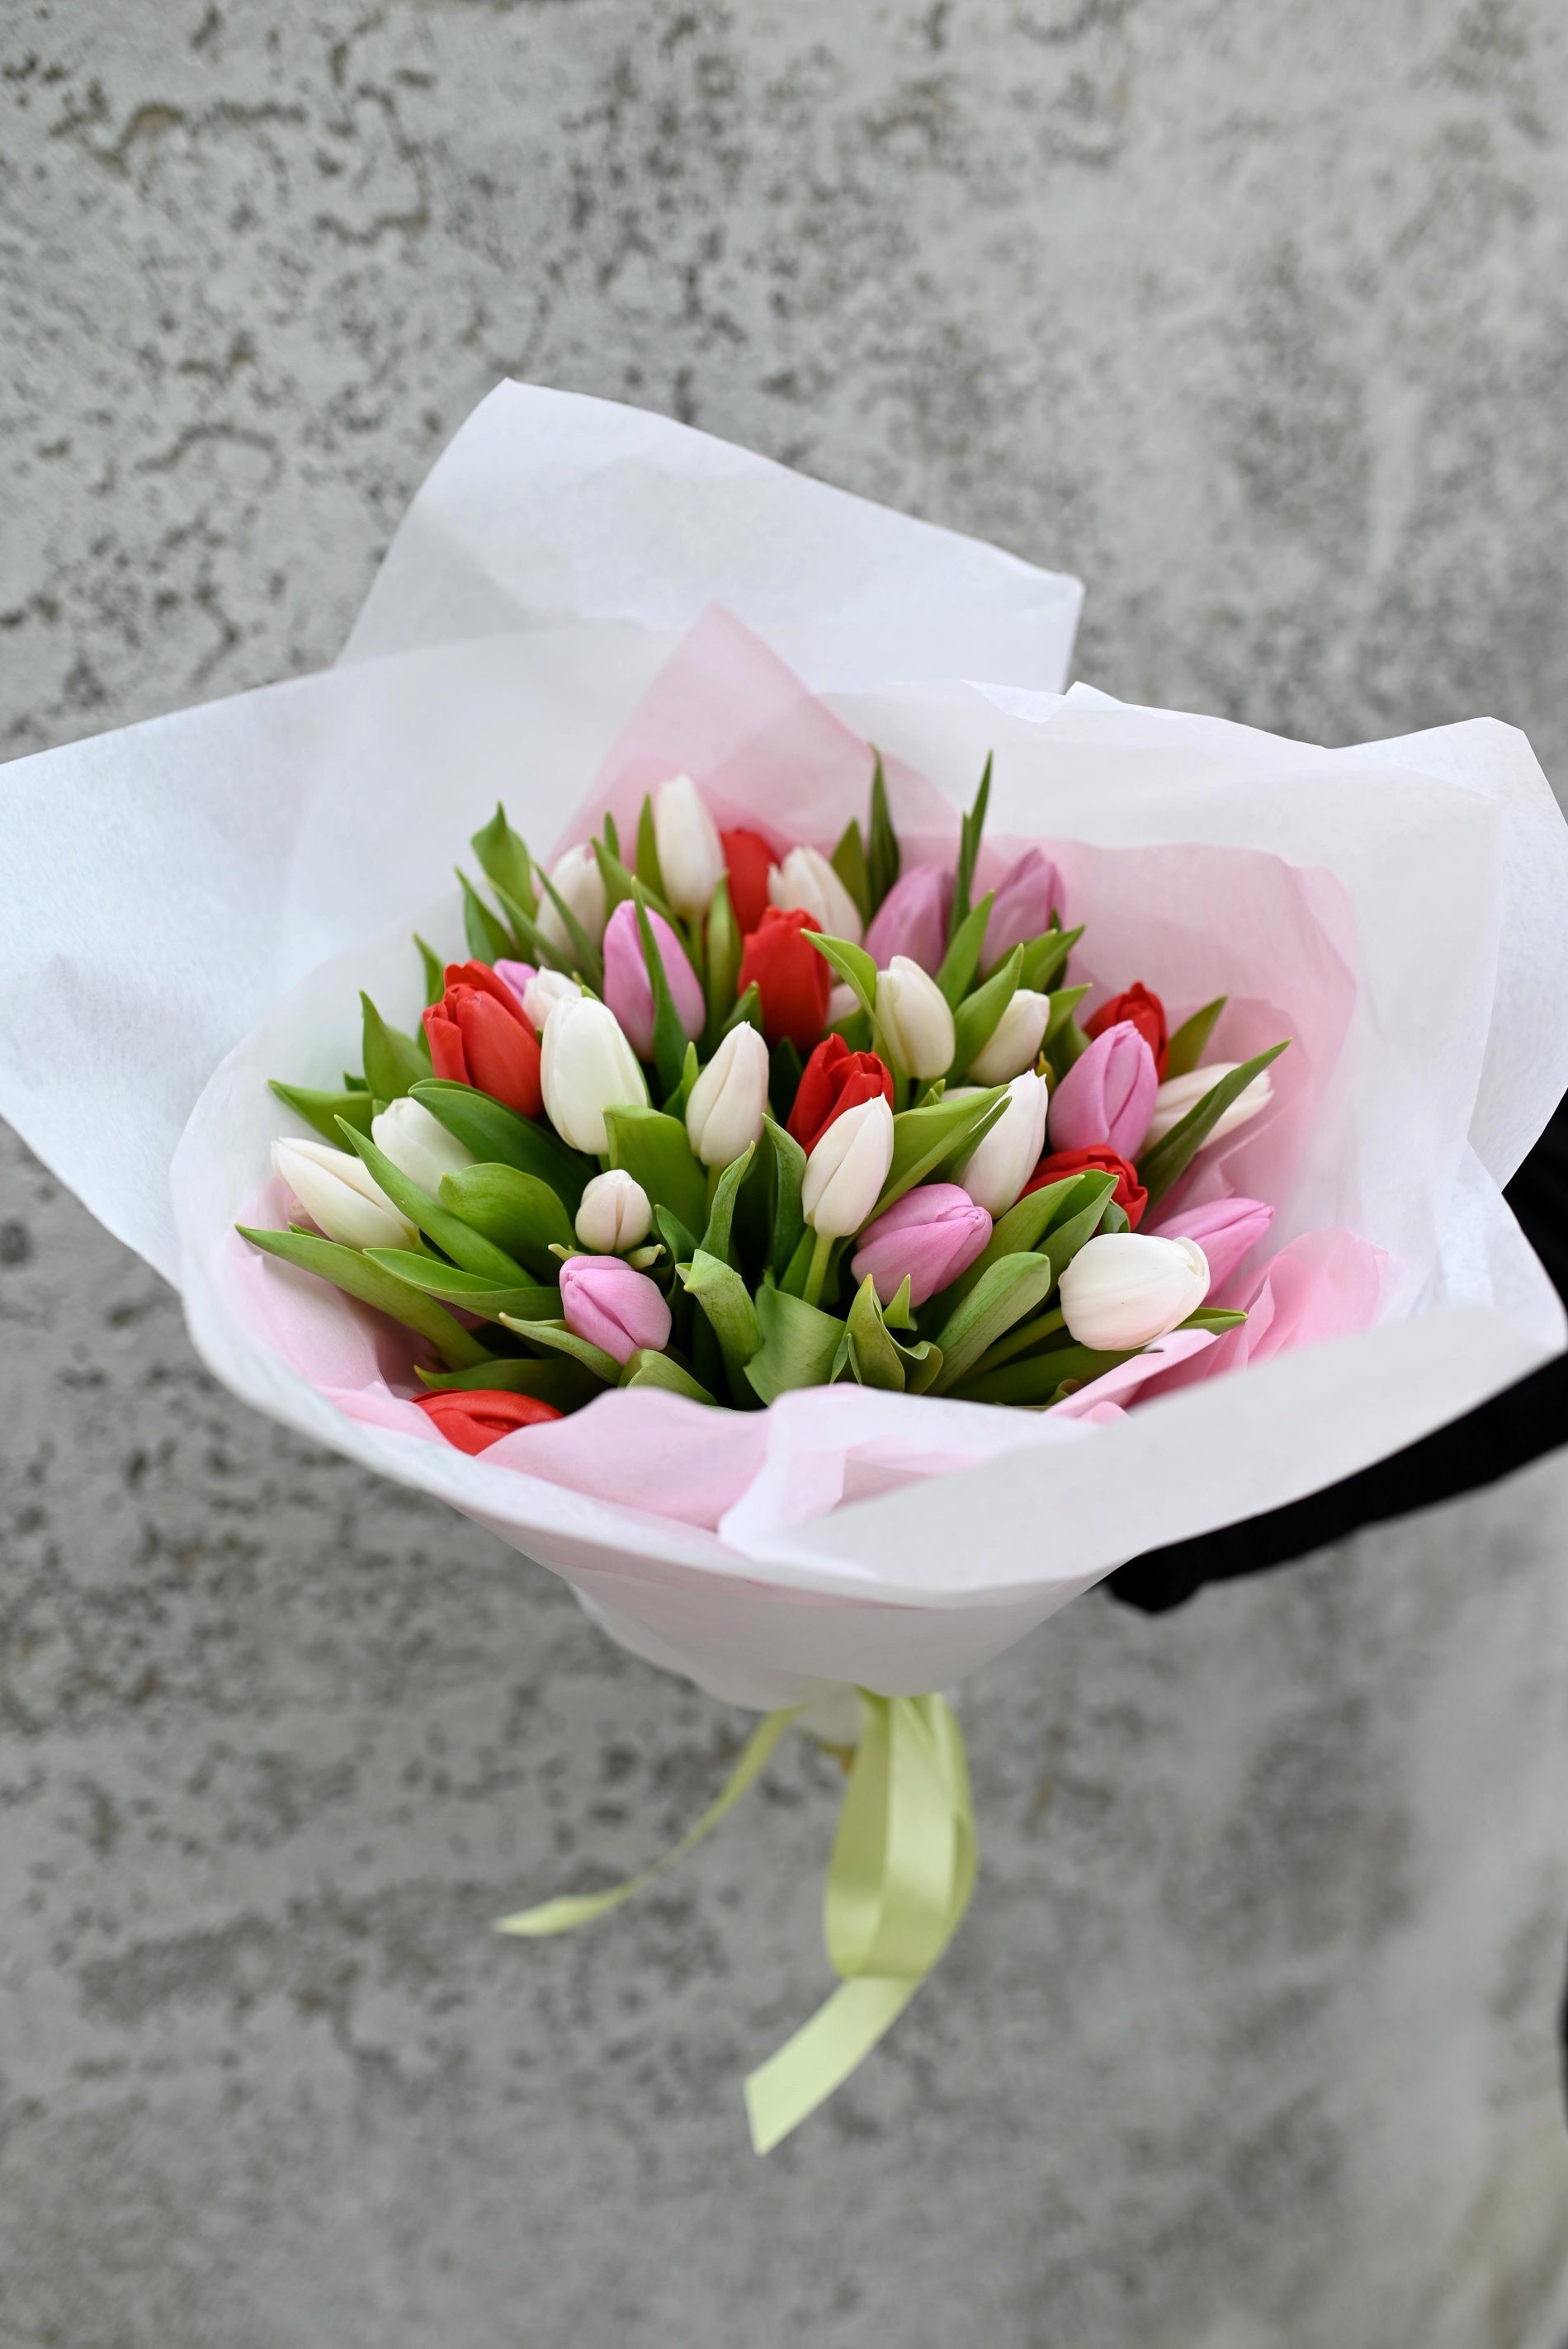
(615, 1213)
(544, 989)
(1177, 1096)
(847, 1170)
(581, 885)
(1002, 1162)
(418, 1144)
(725, 1111)
(1016, 1040)
(916, 1018)
(806, 879)
(585, 1067)
(691, 855)
(338, 1193)
(1124, 1288)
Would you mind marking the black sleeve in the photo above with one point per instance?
(1514, 1427)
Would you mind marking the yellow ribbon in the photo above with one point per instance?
(899, 1880)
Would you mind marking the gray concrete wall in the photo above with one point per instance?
(1257, 318)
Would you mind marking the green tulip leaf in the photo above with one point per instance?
(978, 1018)
(799, 1344)
(789, 1176)
(848, 862)
(1187, 1046)
(476, 1292)
(434, 972)
(394, 1063)
(1170, 1156)
(466, 1248)
(973, 826)
(504, 861)
(555, 1380)
(724, 1298)
(724, 951)
(493, 1132)
(1044, 956)
(669, 1036)
(352, 1270)
(517, 1211)
(488, 940)
(647, 1368)
(962, 960)
(652, 1147)
(851, 963)
(649, 871)
(923, 1138)
(323, 1111)
(717, 1240)
(884, 858)
(1005, 1293)
(554, 1337)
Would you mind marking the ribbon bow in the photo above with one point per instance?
(899, 1880)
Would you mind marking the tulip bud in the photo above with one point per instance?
(1098, 1158)
(913, 919)
(1015, 1041)
(615, 1215)
(691, 857)
(929, 1236)
(473, 1418)
(546, 988)
(749, 860)
(587, 1067)
(629, 987)
(1140, 1006)
(1022, 907)
(1123, 1289)
(1177, 1096)
(847, 1170)
(340, 1194)
(418, 1144)
(806, 879)
(790, 978)
(916, 1018)
(1107, 1095)
(477, 1035)
(832, 1080)
(726, 1106)
(998, 1168)
(603, 1301)
(581, 885)
(1226, 1230)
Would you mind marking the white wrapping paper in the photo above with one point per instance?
(167, 889)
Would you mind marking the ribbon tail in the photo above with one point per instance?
(803, 2073)
(562, 1915)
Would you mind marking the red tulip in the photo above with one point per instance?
(473, 1418)
(834, 1079)
(1142, 1009)
(479, 1036)
(750, 861)
(793, 978)
(1097, 1158)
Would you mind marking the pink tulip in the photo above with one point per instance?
(1226, 1230)
(930, 1235)
(1107, 1095)
(604, 1301)
(913, 919)
(515, 975)
(628, 989)
(1025, 897)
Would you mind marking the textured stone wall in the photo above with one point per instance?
(1257, 318)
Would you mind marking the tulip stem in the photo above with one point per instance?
(817, 1271)
(1018, 1341)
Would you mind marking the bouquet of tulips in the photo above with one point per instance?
(736, 1117)
(793, 1221)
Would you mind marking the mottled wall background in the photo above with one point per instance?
(1255, 318)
